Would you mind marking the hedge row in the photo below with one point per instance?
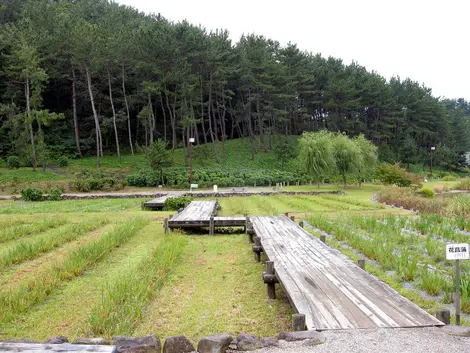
(179, 178)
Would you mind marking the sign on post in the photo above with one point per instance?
(193, 186)
(457, 252)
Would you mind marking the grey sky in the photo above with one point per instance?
(426, 40)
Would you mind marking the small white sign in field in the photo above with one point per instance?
(457, 252)
(194, 186)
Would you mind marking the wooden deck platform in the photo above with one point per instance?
(155, 204)
(54, 348)
(204, 214)
(324, 285)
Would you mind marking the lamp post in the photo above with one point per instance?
(191, 141)
(432, 150)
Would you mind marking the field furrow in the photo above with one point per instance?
(20, 230)
(77, 298)
(19, 301)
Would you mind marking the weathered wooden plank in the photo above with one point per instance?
(59, 348)
(327, 287)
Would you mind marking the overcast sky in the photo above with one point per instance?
(426, 40)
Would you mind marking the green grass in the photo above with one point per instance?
(19, 230)
(27, 175)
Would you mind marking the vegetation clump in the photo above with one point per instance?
(13, 162)
(175, 203)
(32, 194)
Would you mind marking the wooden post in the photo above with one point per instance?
(165, 225)
(257, 249)
(170, 216)
(323, 238)
(301, 224)
(211, 226)
(286, 214)
(298, 322)
(443, 315)
(271, 290)
(457, 292)
(246, 223)
(292, 218)
(361, 263)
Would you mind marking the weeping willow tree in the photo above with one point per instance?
(325, 154)
(369, 158)
(347, 155)
(316, 155)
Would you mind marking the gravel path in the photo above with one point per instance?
(416, 340)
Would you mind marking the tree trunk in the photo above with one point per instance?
(152, 120)
(43, 148)
(95, 116)
(164, 118)
(74, 111)
(127, 111)
(204, 134)
(211, 132)
(174, 142)
(114, 117)
(30, 124)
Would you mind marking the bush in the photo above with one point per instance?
(13, 162)
(449, 178)
(463, 184)
(175, 203)
(63, 161)
(429, 193)
(393, 174)
(409, 199)
(32, 194)
(54, 194)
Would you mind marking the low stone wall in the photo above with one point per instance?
(219, 343)
(189, 194)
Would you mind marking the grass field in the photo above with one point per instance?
(108, 265)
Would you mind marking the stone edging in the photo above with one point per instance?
(219, 343)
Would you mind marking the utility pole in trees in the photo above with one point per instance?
(191, 141)
(432, 151)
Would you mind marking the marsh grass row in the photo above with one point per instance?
(125, 299)
(19, 229)
(16, 302)
(29, 248)
(411, 248)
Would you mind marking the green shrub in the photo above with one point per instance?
(449, 178)
(175, 203)
(429, 193)
(54, 194)
(13, 162)
(63, 161)
(463, 184)
(393, 174)
(32, 194)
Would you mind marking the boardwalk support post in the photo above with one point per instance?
(292, 218)
(211, 226)
(361, 263)
(246, 223)
(323, 238)
(165, 225)
(170, 216)
(286, 214)
(298, 322)
(301, 224)
(443, 315)
(257, 249)
(270, 278)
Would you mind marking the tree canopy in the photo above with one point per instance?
(122, 79)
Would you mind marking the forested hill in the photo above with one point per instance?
(80, 77)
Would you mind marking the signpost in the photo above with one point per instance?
(193, 186)
(457, 252)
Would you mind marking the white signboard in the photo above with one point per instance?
(194, 186)
(457, 251)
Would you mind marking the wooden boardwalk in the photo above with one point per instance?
(155, 204)
(324, 285)
(204, 214)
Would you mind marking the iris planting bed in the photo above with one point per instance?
(408, 250)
